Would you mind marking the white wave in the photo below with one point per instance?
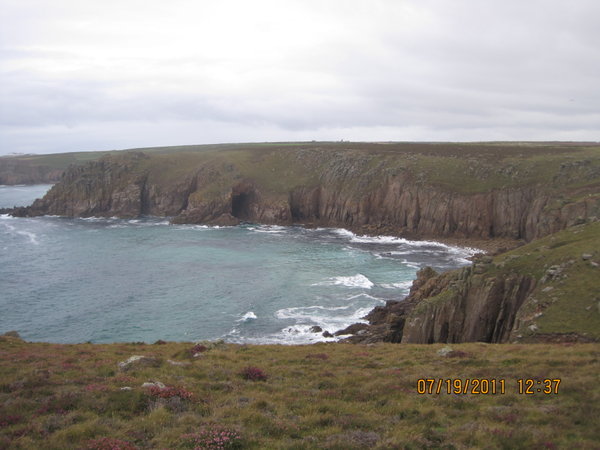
(362, 294)
(139, 223)
(277, 229)
(248, 316)
(98, 219)
(405, 285)
(292, 335)
(305, 312)
(28, 234)
(358, 280)
(32, 236)
(342, 232)
(302, 333)
(318, 316)
(411, 264)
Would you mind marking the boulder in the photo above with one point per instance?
(138, 361)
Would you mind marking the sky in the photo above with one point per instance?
(79, 75)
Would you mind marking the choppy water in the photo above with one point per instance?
(107, 280)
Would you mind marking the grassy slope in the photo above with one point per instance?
(569, 302)
(460, 167)
(320, 396)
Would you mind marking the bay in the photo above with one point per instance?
(70, 280)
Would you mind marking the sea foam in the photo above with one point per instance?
(358, 280)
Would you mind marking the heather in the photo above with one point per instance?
(333, 396)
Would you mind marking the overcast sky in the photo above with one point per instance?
(113, 74)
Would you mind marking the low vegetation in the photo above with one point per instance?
(334, 396)
(461, 167)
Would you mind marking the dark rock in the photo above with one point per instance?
(327, 334)
(225, 220)
(316, 329)
(352, 329)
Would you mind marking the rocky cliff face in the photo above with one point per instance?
(346, 191)
(109, 187)
(468, 307)
(458, 306)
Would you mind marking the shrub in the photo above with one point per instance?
(253, 374)
(323, 356)
(458, 354)
(108, 443)
(213, 438)
(169, 391)
(198, 348)
(6, 421)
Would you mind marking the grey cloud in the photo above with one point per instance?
(521, 70)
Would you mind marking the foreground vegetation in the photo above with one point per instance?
(341, 396)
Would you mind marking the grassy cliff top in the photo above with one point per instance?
(460, 167)
(331, 396)
(567, 296)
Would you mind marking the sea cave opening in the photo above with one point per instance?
(241, 203)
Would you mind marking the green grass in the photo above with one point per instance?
(461, 167)
(570, 302)
(320, 396)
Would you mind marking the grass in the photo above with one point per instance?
(570, 301)
(336, 396)
(279, 167)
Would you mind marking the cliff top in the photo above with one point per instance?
(461, 167)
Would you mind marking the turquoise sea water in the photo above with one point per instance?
(107, 280)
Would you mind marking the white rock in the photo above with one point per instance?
(444, 351)
(150, 384)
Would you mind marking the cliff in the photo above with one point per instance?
(41, 169)
(416, 190)
(547, 290)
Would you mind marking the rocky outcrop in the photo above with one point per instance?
(458, 306)
(470, 307)
(108, 187)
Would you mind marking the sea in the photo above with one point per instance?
(101, 280)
